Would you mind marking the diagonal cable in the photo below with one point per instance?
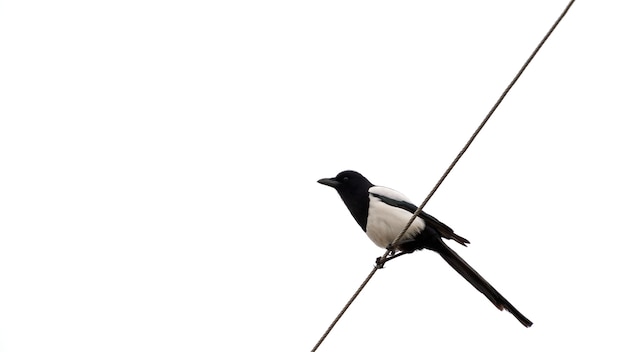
(443, 177)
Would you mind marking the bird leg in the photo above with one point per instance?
(395, 252)
(380, 261)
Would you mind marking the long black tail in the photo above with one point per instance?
(476, 280)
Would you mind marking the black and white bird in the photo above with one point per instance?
(383, 213)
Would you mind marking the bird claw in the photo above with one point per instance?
(391, 253)
(380, 262)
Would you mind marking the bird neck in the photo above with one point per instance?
(358, 206)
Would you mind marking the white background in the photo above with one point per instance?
(158, 167)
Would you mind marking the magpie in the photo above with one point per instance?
(383, 213)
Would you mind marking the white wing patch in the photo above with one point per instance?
(389, 193)
(385, 222)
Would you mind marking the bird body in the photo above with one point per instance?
(383, 213)
(385, 222)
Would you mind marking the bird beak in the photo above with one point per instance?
(331, 182)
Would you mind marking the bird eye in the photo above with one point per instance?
(345, 179)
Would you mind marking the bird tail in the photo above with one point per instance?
(476, 280)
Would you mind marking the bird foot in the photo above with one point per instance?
(380, 262)
(391, 253)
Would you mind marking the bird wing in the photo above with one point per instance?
(399, 200)
(443, 229)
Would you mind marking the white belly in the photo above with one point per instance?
(385, 223)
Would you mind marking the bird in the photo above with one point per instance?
(383, 213)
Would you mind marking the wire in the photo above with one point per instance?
(345, 308)
(381, 261)
(480, 127)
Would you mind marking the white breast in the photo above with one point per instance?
(386, 222)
